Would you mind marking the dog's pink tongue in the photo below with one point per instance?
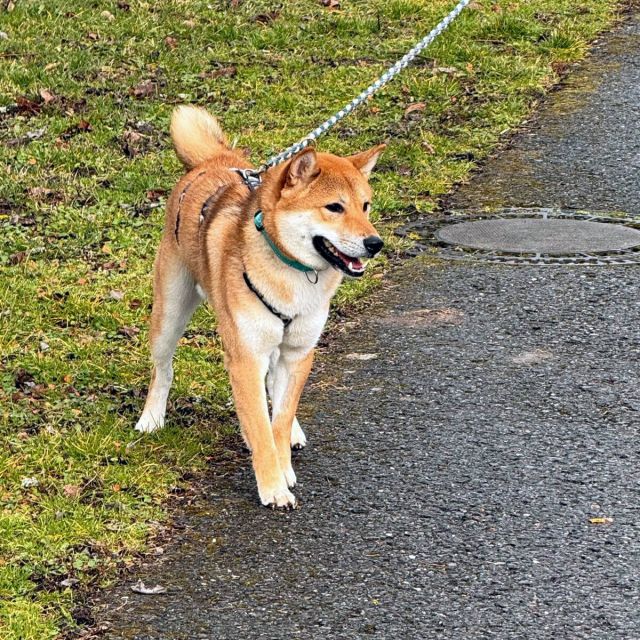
(353, 263)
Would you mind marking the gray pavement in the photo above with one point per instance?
(478, 477)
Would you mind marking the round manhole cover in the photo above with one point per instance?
(548, 236)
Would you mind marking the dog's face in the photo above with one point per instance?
(321, 216)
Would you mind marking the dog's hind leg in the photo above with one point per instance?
(290, 374)
(175, 300)
(298, 439)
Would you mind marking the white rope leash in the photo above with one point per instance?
(252, 177)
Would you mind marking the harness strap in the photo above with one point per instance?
(286, 320)
(183, 193)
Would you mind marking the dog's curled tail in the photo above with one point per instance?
(196, 134)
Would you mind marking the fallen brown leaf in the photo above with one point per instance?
(47, 96)
(559, 67)
(28, 106)
(226, 72)
(17, 258)
(129, 332)
(428, 147)
(171, 42)
(40, 193)
(71, 490)
(143, 90)
(156, 194)
(83, 126)
(415, 107)
(132, 143)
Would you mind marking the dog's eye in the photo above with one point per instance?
(335, 207)
(366, 206)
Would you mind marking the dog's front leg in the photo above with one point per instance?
(289, 376)
(247, 372)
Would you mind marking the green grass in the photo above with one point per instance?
(79, 490)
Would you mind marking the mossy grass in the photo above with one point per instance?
(86, 91)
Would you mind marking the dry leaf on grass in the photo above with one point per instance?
(416, 107)
(47, 96)
(221, 72)
(129, 332)
(143, 90)
(71, 490)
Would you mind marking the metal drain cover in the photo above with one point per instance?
(548, 236)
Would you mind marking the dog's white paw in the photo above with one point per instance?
(298, 439)
(277, 497)
(149, 423)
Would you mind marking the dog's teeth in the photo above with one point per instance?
(351, 266)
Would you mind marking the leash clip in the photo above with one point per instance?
(251, 177)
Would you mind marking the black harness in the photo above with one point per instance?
(286, 320)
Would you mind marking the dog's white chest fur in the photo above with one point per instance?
(308, 309)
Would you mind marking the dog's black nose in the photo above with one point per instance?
(373, 244)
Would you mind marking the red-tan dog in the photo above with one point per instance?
(269, 262)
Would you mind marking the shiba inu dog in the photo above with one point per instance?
(269, 262)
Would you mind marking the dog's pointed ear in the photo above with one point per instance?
(366, 160)
(303, 168)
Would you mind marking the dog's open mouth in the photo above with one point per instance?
(351, 266)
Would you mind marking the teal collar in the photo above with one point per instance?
(257, 220)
